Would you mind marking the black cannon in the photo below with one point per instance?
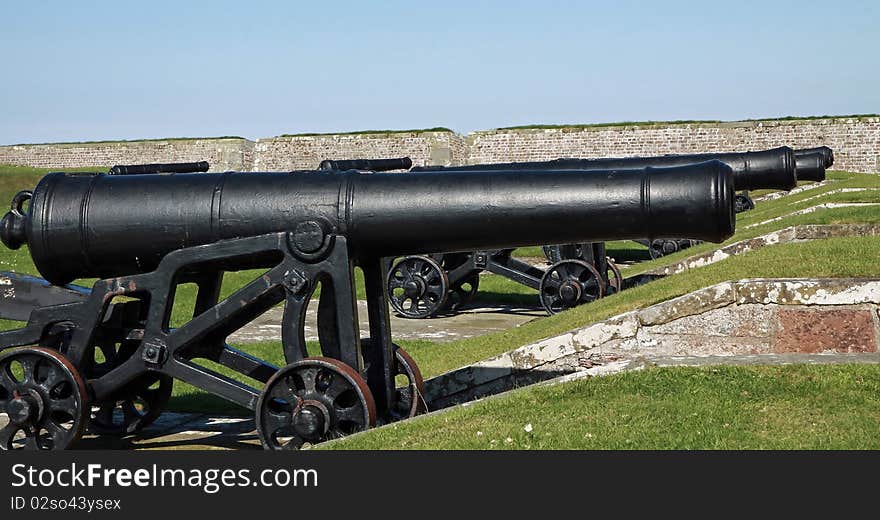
(456, 276)
(373, 165)
(778, 168)
(106, 357)
(137, 169)
(768, 169)
(826, 153)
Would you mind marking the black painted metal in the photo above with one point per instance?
(23, 293)
(461, 275)
(374, 165)
(826, 153)
(44, 399)
(811, 166)
(768, 169)
(743, 202)
(100, 226)
(140, 169)
(143, 235)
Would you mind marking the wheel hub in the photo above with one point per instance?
(570, 292)
(25, 408)
(312, 420)
(414, 287)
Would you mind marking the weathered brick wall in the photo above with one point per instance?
(223, 154)
(856, 144)
(856, 141)
(307, 151)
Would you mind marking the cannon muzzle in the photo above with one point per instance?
(768, 169)
(810, 167)
(374, 165)
(827, 154)
(140, 169)
(98, 225)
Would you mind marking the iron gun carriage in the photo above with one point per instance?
(106, 357)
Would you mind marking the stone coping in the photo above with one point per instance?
(783, 292)
(125, 142)
(599, 127)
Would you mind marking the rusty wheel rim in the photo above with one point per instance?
(44, 399)
(312, 401)
(615, 281)
(409, 398)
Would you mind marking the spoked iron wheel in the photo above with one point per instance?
(660, 248)
(417, 287)
(615, 279)
(560, 252)
(569, 283)
(409, 393)
(462, 292)
(743, 202)
(552, 253)
(136, 405)
(44, 399)
(311, 401)
(409, 396)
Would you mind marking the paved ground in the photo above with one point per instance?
(466, 324)
(201, 431)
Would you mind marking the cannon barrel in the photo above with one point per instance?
(375, 165)
(768, 169)
(97, 225)
(810, 167)
(139, 169)
(827, 154)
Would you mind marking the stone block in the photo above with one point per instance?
(689, 304)
(816, 331)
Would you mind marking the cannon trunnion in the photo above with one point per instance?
(143, 236)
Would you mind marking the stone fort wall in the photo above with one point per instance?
(855, 140)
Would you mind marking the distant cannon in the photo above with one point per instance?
(768, 169)
(97, 354)
(138, 169)
(375, 165)
(826, 153)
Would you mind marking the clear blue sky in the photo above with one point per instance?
(126, 70)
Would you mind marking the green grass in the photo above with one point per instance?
(759, 407)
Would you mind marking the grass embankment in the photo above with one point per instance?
(770, 407)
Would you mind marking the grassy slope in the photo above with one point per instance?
(778, 407)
